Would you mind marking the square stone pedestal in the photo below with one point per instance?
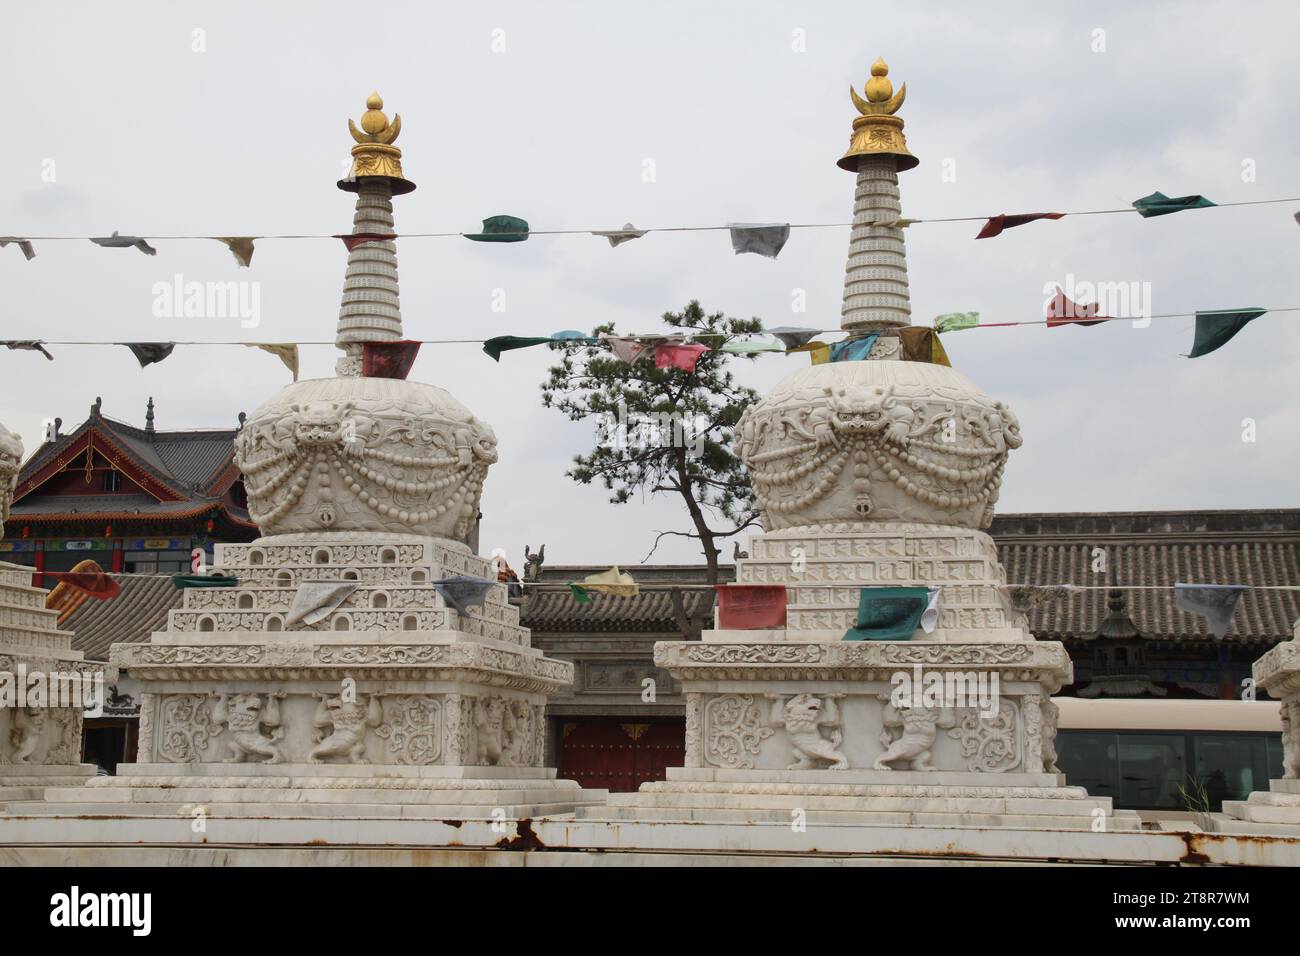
(813, 733)
(391, 703)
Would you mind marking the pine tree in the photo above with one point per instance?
(665, 431)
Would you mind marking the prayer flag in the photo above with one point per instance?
(352, 240)
(746, 607)
(1061, 311)
(1158, 204)
(182, 581)
(580, 594)
(617, 237)
(316, 600)
(505, 343)
(956, 321)
(889, 614)
(29, 345)
(819, 352)
(764, 239)
(286, 352)
(792, 338)
(612, 581)
(1215, 329)
(463, 592)
(854, 350)
(679, 355)
(150, 353)
(501, 229)
(921, 344)
(1215, 602)
(95, 583)
(240, 246)
(28, 250)
(996, 224)
(628, 349)
(125, 242)
(388, 359)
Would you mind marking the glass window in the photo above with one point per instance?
(1230, 766)
(1087, 758)
(1152, 768)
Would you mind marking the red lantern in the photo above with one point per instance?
(108, 531)
(211, 524)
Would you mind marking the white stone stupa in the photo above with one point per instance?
(875, 473)
(334, 679)
(40, 744)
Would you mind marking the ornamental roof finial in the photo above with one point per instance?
(877, 131)
(375, 156)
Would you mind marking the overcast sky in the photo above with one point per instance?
(550, 111)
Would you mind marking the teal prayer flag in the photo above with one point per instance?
(1215, 329)
(956, 321)
(580, 594)
(853, 350)
(1158, 204)
(889, 614)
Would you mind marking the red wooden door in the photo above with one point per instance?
(620, 753)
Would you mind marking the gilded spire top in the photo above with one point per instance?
(880, 92)
(375, 156)
(375, 123)
(876, 130)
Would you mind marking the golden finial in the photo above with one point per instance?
(375, 156)
(877, 131)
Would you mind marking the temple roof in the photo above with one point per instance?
(138, 610)
(177, 473)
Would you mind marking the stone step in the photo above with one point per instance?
(723, 800)
(1115, 823)
(509, 792)
(217, 811)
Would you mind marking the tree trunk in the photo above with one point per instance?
(697, 516)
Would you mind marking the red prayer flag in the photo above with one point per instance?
(388, 359)
(361, 238)
(745, 607)
(996, 224)
(1061, 311)
(679, 355)
(95, 583)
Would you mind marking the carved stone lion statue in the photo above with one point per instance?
(917, 728)
(347, 722)
(245, 716)
(802, 716)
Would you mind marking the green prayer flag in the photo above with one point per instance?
(1215, 329)
(504, 343)
(888, 614)
(501, 229)
(1158, 204)
(956, 321)
(580, 594)
(182, 581)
